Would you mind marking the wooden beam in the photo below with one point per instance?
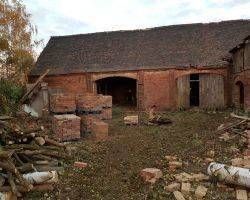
(35, 85)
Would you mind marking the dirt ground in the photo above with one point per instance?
(114, 165)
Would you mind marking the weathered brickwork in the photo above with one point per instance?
(73, 83)
(159, 86)
(241, 74)
(244, 78)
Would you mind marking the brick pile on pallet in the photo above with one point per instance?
(92, 109)
(61, 103)
(99, 129)
(86, 123)
(66, 127)
(106, 102)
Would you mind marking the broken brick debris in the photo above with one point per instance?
(172, 187)
(185, 188)
(151, 175)
(131, 120)
(178, 195)
(80, 165)
(200, 192)
(241, 194)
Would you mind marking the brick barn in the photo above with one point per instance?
(241, 74)
(172, 67)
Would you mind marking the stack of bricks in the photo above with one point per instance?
(86, 123)
(62, 103)
(88, 103)
(106, 102)
(99, 129)
(92, 109)
(66, 127)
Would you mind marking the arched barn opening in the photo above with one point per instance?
(122, 89)
(240, 93)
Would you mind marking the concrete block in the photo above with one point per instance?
(241, 194)
(200, 192)
(178, 195)
(131, 120)
(172, 187)
(185, 188)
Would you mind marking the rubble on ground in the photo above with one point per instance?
(200, 192)
(151, 175)
(172, 187)
(131, 120)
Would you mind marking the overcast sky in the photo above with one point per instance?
(64, 17)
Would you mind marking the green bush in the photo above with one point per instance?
(10, 94)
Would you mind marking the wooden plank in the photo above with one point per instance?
(211, 91)
(183, 91)
(38, 81)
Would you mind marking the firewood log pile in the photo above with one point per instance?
(29, 158)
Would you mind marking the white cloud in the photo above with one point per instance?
(61, 17)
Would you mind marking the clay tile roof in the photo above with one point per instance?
(242, 44)
(162, 47)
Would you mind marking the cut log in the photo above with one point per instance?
(13, 185)
(35, 85)
(2, 181)
(46, 168)
(40, 141)
(20, 162)
(10, 167)
(5, 117)
(42, 157)
(6, 154)
(27, 167)
(42, 187)
(231, 126)
(45, 152)
(240, 117)
(53, 142)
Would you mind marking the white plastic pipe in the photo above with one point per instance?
(229, 174)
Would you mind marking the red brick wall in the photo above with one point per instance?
(75, 83)
(157, 89)
(243, 77)
(159, 85)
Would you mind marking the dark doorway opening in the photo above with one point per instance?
(194, 90)
(241, 93)
(123, 90)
